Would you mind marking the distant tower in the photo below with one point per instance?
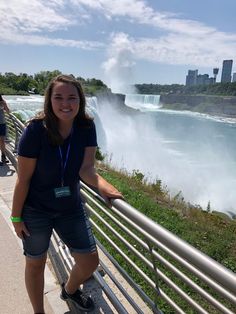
(215, 73)
(226, 71)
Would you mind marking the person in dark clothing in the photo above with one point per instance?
(3, 107)
(56, 151)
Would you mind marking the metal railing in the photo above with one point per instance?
(14, 130)
(167, 273)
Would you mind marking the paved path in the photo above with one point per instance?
(13, 295)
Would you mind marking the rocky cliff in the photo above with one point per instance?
(117, 101)
(215, 105)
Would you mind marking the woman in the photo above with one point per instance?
(56, 150)
(3, 107)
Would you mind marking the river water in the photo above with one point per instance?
(189, 152)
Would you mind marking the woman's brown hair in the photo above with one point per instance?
(50, 119)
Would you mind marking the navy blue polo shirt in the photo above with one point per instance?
(34, 143)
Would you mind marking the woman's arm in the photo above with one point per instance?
(25, 170)
(89, 175)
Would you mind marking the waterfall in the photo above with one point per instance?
(92, 109)
(92, 103)
(143, 102)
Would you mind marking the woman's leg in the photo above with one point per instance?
(35, 246)
(2, 138)
(85, 265)
(2, 144)
(34, 281)
(75, 231)
(3, 150)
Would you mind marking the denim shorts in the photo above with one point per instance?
(73, 228)
(3, 129)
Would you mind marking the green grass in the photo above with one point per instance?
(212, 233)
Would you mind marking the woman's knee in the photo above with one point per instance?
(35, 265)
(95, 259)
(87, 261)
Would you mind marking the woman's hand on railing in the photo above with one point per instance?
(109, 192)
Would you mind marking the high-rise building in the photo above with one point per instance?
(191, 78)
(234, 77)
(226, 71)
(202, 79)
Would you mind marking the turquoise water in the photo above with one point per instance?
(189, 152)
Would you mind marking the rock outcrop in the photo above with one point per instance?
(215, 105)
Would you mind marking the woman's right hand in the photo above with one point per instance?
(21, 230)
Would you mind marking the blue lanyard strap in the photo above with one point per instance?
(64, 163)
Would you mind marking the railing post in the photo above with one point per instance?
(155, 273)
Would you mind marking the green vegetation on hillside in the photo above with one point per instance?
(213, 233)
(24, 84)
(224, 89)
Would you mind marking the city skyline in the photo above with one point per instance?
(226, 75)
(121, 42)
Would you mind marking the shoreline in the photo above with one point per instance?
(217, 106)
(221, 117)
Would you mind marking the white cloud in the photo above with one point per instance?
(181, 41)
(139, 11)
(31, 16)
(180, 49)
(46, 41)
(26, 18)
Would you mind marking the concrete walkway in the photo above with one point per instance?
(13, 295)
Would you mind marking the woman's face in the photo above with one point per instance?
(65, 101)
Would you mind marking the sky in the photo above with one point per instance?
(121, 42)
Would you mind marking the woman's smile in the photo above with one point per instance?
(65, 101)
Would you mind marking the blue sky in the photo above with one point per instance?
(117, 41)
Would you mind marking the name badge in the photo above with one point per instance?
(62, 191)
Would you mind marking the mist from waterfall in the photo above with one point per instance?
(188, 152)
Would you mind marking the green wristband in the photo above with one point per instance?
(16, 219)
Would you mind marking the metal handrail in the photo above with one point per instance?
(14, 130)
(219, 278)
(168, 268)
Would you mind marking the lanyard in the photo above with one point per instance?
(64, 163)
